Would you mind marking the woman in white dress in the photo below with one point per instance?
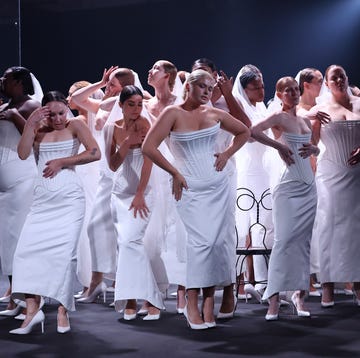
(17, 177)
(132, 203)
(223, 98)
(45, 257)
(338, 182)
(198, 168)
(254, 164)
(167, 249)
(294, 200)
(100, 229)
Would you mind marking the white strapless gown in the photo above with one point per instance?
(203, 208)
(135, 278)
(45, 258)
(338, 213)
(17, 179)
(294, 205)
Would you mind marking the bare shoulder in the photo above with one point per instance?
(77, 124)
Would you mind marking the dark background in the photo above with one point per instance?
(63, 41)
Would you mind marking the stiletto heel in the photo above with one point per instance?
(38, 318)
(274, 316)
(99, 289)
(250, 289)
(11, 313)
(300, 313)
(194, 325)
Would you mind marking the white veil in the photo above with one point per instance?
(38, 92)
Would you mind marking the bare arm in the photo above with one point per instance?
(90, 154)
(241, 135)
(235, 108)
(157, 133)
(257, 132)
(31, 126)
(138, 203)
(82, 96)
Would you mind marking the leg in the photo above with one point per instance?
(192, 306)
(328, 293)
(96, 279)
(32, 307)
(273, 309)
(228, 300)
(356, 287)
(180, 298)
(208, 304)
(130, 307)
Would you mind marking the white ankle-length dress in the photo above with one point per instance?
(204, 208)
(294, 205)
(45, 258)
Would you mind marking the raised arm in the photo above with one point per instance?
(31, 126)
(235, 108)
(82, 96)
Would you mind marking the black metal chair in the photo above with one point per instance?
(249, 250)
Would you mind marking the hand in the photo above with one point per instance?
(8, 114)
(320, 116)
(139, 206)
(179, 183)
(52, 168)
(37, 116)
(225, 84)
(220, 162)
(286, 155)
(99, 124)
(107, 73)
(354, 157)
(308, 149)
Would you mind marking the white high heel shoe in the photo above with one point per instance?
(222, 315)
(250, 289)
(300, 313)
(38, 318)
(196, 326)
(5, 299)
(99, 289)
(62, 329)
(11, 313)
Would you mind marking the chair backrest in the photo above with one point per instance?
(259, 204)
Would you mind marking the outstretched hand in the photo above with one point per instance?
(320, 116)
(225, 84)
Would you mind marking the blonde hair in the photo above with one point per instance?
(195, 76)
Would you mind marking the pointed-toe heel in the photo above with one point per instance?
(99, 289)
(300, 313)
(250, 289)
(11, 313)
(151, 317)
(38, 318)
(195, 326)
(5, 299)
(142, 312)
(272, 317)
